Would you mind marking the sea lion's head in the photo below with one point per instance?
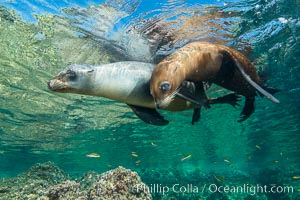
(165, 84)
(73, 79)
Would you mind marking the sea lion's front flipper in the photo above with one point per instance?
(201, 95)
(248, 108)
(148, 115)
(187, 92)
(250, 81)
(188, 98)
(231, 99)
(194, 93)
(196, 115)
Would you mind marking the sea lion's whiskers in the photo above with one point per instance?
(57, 85)
(169, 99)
(60, 84)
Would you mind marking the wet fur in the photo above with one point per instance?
(202, 61)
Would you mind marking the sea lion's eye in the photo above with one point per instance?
(165, 86)
(71, 75)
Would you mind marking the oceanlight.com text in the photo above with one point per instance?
(250, 189)
(213, 188)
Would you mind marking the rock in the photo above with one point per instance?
(33, 183)
(88, 180)
(120, 183)
(66, 190)
(47, 172)
(47, 182)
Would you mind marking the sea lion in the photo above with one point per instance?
(128, 82)
(203, 61)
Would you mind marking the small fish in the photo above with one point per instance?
(186, 157)
(134, 154)
(153, 144)
(138, 161)
(230, 165)
(93, 155)
(296, 177)
(258, 147)
(219, 179)
(226, 160)
(276, 161)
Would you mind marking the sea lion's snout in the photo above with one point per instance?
(164, 103)
(158, 105)
(56, 85)
(50, 85)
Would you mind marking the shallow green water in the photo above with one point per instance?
(38, 125)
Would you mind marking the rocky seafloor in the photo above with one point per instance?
(47, 182)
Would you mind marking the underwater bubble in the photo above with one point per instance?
(283, 20)
(39, 36)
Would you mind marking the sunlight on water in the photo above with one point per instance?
(38, 125)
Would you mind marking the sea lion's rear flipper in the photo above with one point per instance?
(148, 115)
(250, 81)
(196, 115)
(248, 108)
(271, 90)
(231, 99)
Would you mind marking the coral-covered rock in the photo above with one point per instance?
(33, 183)
(120, 183)
(48, 182)
(67, 190)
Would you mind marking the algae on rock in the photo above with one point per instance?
(47, 182)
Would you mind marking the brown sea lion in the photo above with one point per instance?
(202, 61)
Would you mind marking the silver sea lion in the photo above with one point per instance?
(128, 82)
